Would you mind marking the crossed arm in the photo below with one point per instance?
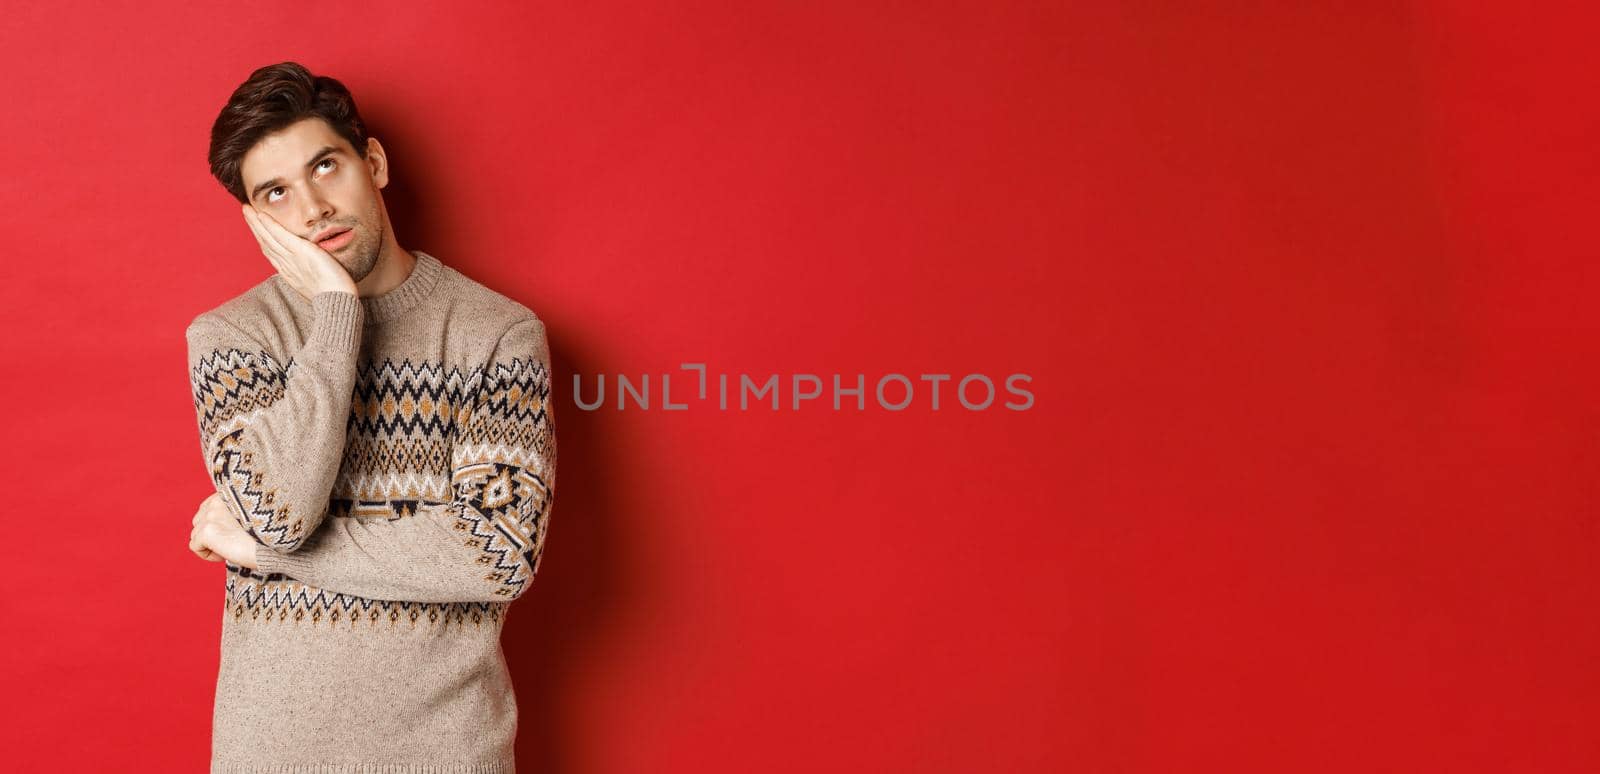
(274, 438)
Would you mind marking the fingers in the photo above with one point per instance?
(206, 507)
(276, 233)
(251, 220)
(197, 532)
(198, 547)
(270, 246)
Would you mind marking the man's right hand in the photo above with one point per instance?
(307, 268)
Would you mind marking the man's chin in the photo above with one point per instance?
(354, 262)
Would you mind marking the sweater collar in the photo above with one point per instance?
(390, 306)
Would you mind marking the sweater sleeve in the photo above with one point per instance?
(273, 436)
(484, 545)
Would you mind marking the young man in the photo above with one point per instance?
(379, 430)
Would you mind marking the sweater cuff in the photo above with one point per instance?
(336, 321)
(271, 560)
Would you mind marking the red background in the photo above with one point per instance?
(1306, 295)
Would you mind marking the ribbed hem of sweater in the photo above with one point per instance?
(336, 321)
(225, 767)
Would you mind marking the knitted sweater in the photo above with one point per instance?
(394, 458)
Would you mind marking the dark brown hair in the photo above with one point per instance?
(272, 98)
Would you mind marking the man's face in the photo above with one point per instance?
(312, 183)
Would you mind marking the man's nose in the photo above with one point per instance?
(317, 208)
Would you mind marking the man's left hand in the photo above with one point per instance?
(217, 535)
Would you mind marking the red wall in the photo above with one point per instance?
(1306, 296)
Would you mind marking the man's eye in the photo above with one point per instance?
(325, 161)
(271, 192)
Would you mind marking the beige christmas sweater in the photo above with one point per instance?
(394, 457)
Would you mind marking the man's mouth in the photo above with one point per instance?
(337, 239)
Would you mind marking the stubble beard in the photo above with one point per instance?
(364, 253)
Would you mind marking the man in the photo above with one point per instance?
(379, 430)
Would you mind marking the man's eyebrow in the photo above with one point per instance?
(277, 181)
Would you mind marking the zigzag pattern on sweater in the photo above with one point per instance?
(488, 426)
(229, 386)
(277, 599)
(499, 477)
(409, 400)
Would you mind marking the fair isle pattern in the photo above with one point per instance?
(402, 419)
(488, 426)
(229, 387)
(499, 477)
(341, 507)
(408, 400)
(276, 599)
(373, 641)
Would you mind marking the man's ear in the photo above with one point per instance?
(377, 162)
